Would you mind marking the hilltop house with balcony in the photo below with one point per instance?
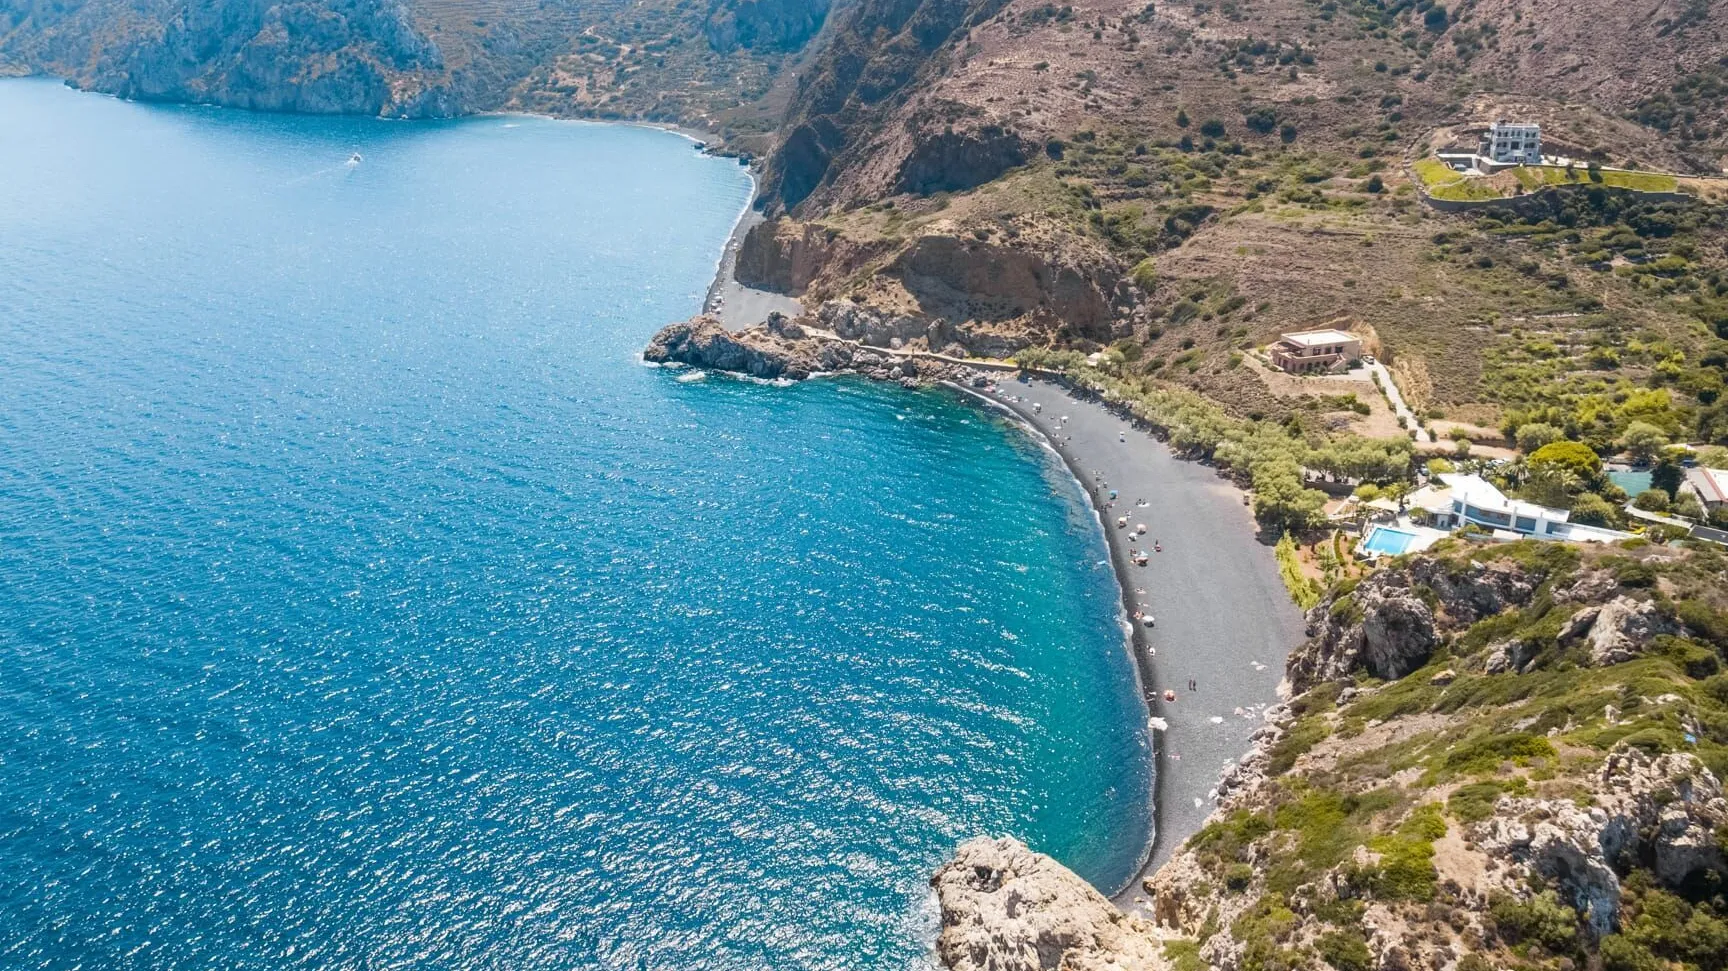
(1308, 351)
(1513, 143)
(1505, 144)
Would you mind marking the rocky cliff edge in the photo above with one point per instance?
(1495, 757)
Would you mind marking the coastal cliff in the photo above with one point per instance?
(323, 57)
(655, 60)
(992, 288)
(1496, 757)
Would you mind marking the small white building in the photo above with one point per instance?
(1513, 143)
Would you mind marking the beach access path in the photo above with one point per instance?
(1223, 617)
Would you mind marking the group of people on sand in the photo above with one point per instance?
(1107, 497)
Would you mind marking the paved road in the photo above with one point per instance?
(1223, 615)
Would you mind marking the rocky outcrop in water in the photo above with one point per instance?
(783, 348)
(1006, 908)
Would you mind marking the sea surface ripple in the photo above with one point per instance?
(364, 604)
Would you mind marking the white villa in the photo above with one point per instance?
(1472, 500)
(1503, 145)
(1513, 143)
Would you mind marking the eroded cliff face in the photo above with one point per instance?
(987, 293)
(787, 256)
(860, 126)
(1500, 757)
(784, 25)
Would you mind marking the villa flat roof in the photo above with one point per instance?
(1479, 492)
(1314, 338)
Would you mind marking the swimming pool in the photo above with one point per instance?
(1633, 482)
(1391, 542)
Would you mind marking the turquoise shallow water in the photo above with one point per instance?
(363, 603)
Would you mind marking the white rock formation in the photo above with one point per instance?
(1006, 908)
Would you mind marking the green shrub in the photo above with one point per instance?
(1695, 659)
(1345, 950)
(1591, 509)
(1145, 274)
(1184, 955)
(1704, 621)
(1304, 735)
(1225, 840)
(1534, 435)
(1652, 500)
(1303, 590)
(1542, 919)
(1622, 954)
(1574, 457)
(1485, 752)
(1657, 926)
(1474, 802)
(1632, 573)
(1238, 876)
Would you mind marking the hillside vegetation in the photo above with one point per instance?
(1498, 757)
(1214, 174)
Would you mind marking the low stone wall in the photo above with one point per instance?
(1546, 198)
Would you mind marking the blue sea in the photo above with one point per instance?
(365, 603)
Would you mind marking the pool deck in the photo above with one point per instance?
(1418, 538)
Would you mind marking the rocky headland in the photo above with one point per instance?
(1493, 757)
(840, 337)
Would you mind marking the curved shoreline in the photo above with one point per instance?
(1133, 639)
(1224, 618)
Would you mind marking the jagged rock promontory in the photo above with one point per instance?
(786, 349)
(1006, 908)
